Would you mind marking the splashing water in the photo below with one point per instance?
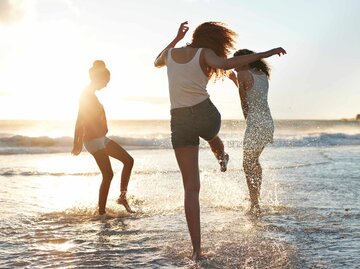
(310, 203)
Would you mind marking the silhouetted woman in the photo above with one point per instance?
(91, 129)
(193, 115)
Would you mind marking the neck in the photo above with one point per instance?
(93, 87)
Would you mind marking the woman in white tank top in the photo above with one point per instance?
(192, 113)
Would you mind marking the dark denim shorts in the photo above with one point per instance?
(189, 123)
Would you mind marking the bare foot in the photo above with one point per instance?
(254, 210)
(102, 217)
(223, 163)
(122, 201)
(196, 256)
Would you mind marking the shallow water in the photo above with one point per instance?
(310, 203)
(311, 214)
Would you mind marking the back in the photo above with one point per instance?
(257, 99)
(187, 81)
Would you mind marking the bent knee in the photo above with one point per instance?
(129, 161)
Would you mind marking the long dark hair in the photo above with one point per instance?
(259, 65)
(215, 36)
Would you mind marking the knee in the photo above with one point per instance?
(248, 165)
(191, 194)
(129, 162)
(193, 189)
(108, 175)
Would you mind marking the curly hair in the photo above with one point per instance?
(215, 36)
(259, 65)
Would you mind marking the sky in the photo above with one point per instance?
(48, 46)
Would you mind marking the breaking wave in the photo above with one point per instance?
(18, 144)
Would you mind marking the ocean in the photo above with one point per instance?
(310, 200)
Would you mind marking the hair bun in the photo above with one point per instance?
(98, 69)
(99, 64)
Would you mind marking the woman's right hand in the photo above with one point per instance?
(77, 147)
(182, 31)
(76, 150)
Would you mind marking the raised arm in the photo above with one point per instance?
(217, 62)
(160, 60)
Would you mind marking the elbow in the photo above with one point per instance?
(226, 66)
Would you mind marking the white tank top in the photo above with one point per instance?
(187, 82)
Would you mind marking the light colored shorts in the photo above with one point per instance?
(96, 144)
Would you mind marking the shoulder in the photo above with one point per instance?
(87, 97)
(207, 51)
(210, 57)
(244, 75)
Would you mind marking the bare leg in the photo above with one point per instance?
(217, 147)
(188, 161)
(116, 151)
(258, 175)
(103, 161)
(253, 174)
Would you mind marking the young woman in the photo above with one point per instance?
(252, 80)
(91, 129)
(193, 115)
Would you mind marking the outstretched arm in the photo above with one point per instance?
(160, 59)
(217, 62)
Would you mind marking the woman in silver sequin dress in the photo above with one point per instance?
(252, 81)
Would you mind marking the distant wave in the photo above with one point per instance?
(10, 173)
(319, 140)
(19, 144)
(41, 145)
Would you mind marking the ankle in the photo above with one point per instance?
(123, 193)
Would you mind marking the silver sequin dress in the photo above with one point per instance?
(259, 123)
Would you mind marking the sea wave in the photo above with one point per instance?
(19, 144)
(43, 144)
(20, 172)
(319, 140)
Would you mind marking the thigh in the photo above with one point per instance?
(209, 122)
(183, 131)
(116, 151)
(188, 161)
(103, 161)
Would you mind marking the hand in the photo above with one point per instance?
(279, 51)
(76, 150)
(182, 30)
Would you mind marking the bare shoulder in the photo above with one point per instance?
(165, 53)
(244, 75)
(245, 79)
(207, 51)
